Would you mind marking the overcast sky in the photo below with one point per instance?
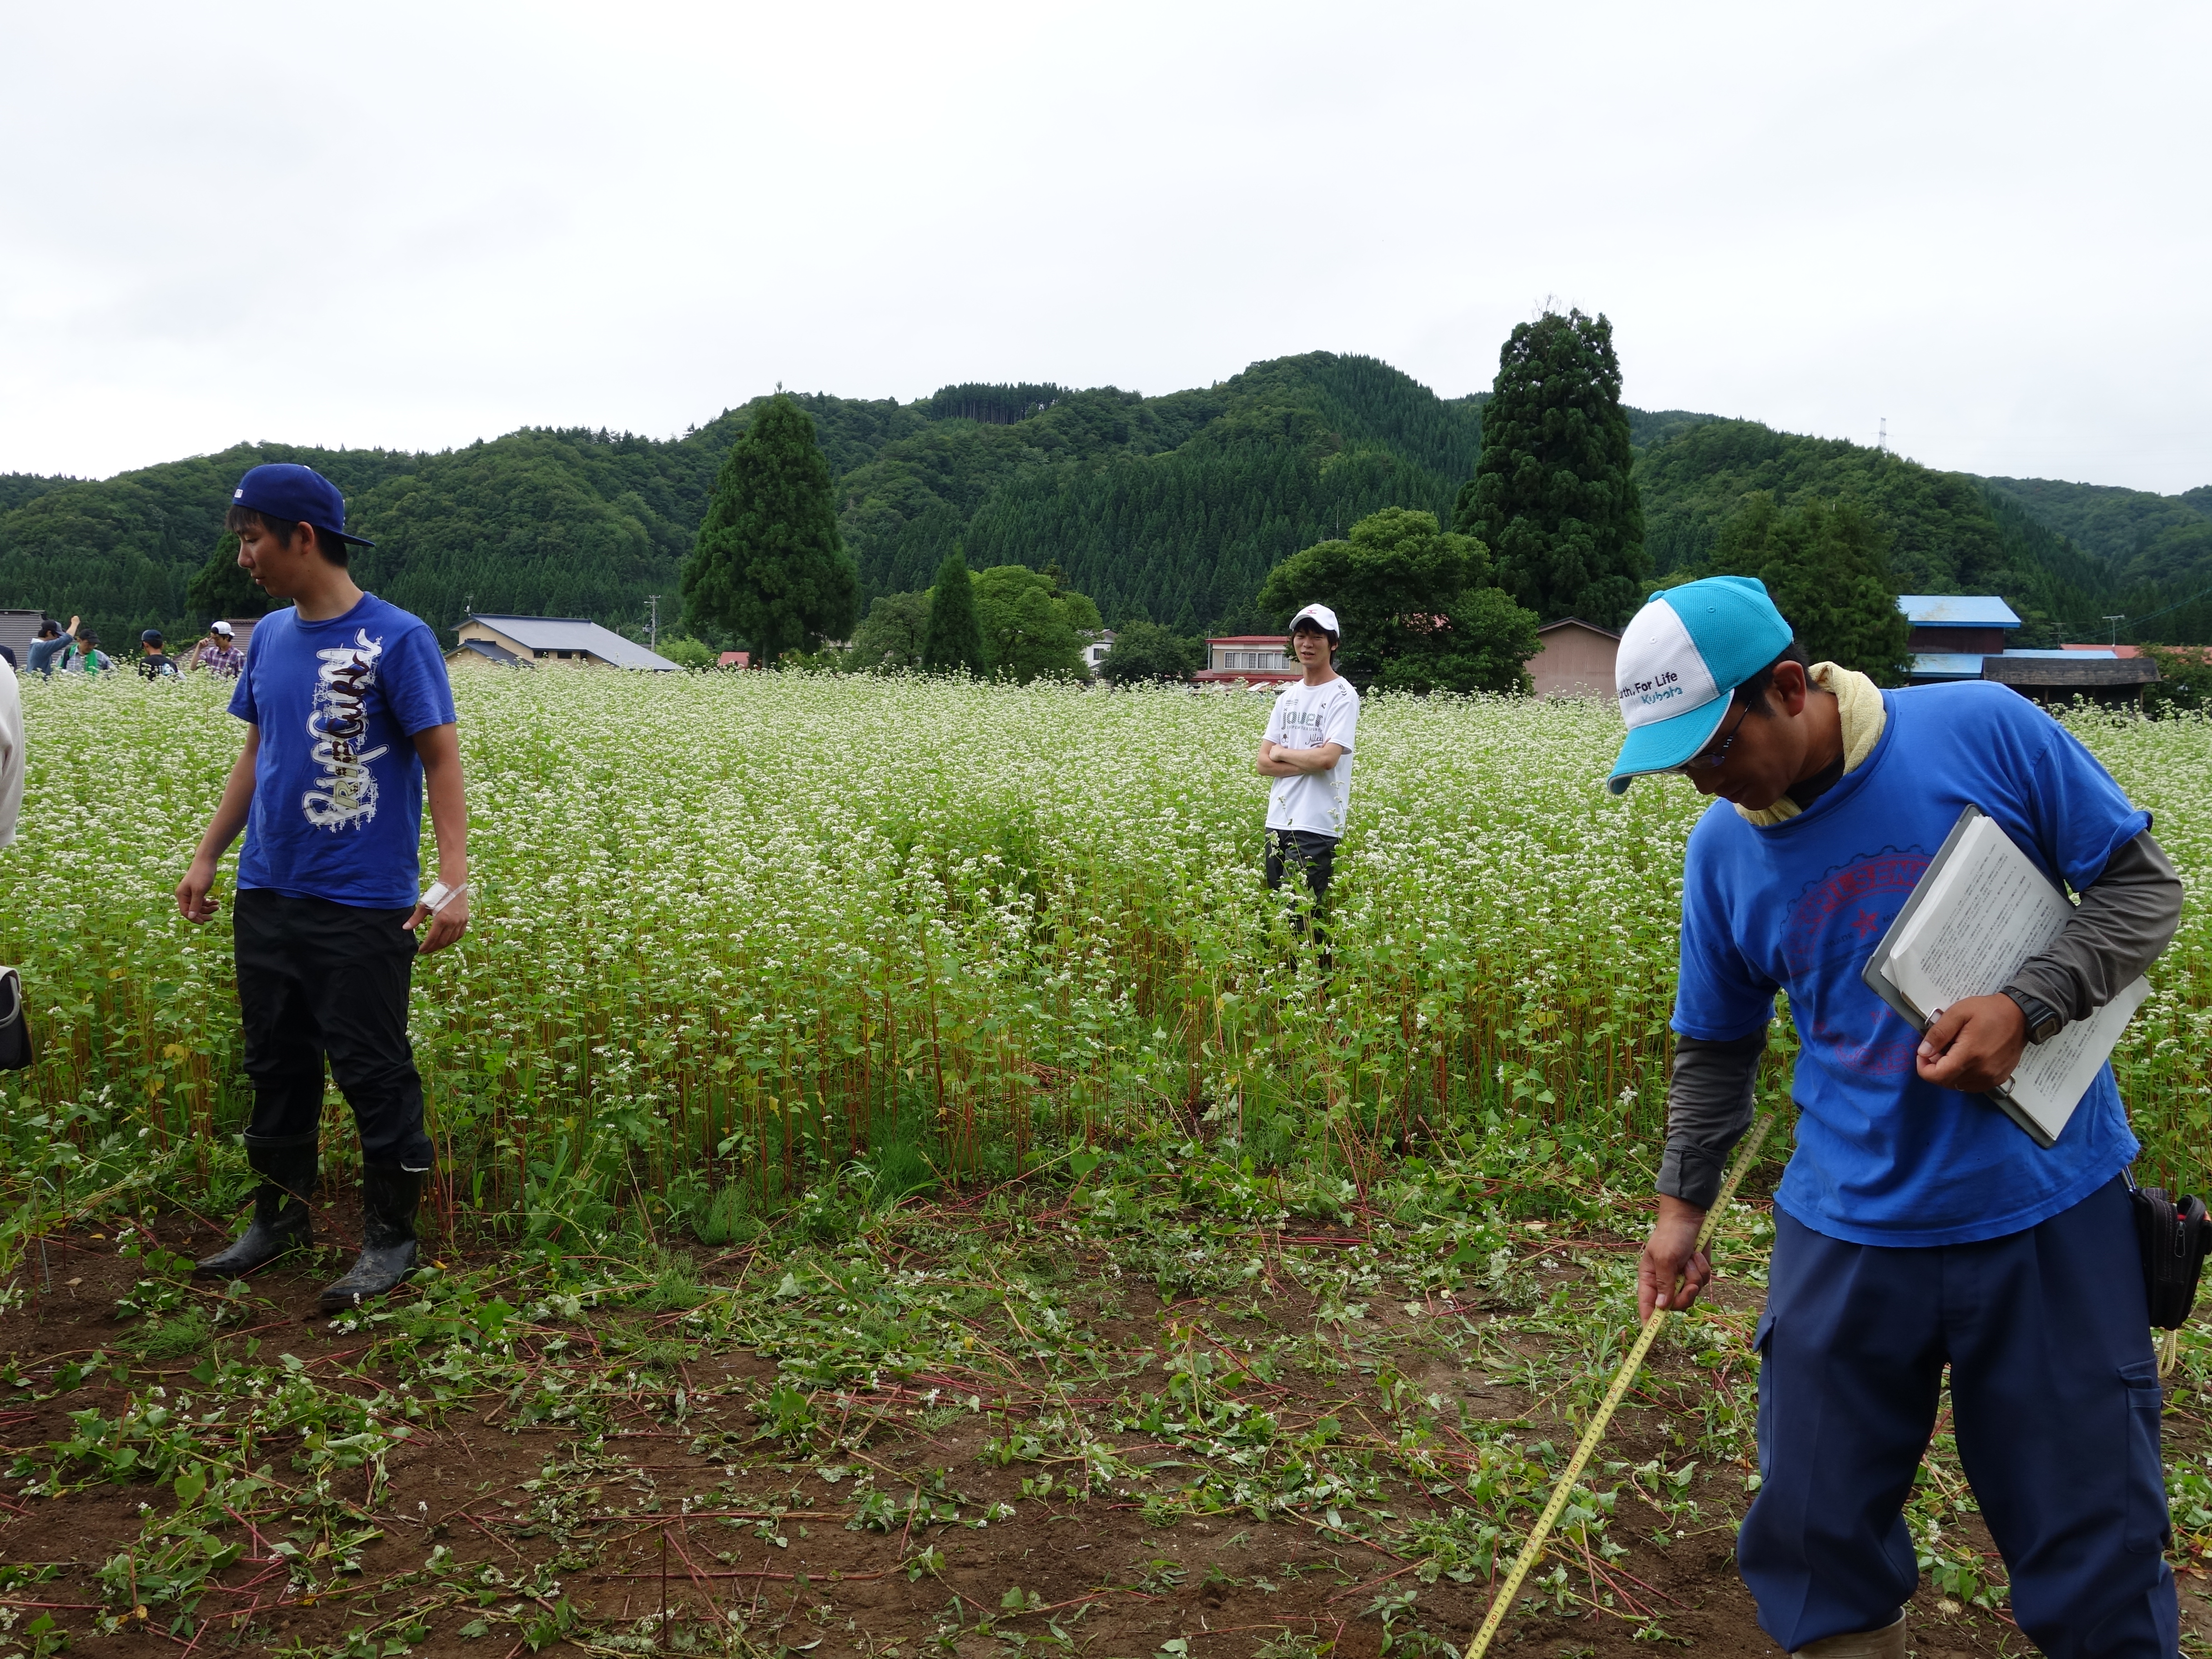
(416, 225)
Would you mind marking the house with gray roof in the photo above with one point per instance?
(502, 641)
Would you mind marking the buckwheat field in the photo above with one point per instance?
(731, 928)
(882, 1119)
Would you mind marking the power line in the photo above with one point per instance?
(2176, 605)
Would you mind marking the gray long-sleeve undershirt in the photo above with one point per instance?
(2124, 919)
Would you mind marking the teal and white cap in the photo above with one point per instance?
(1681, 660)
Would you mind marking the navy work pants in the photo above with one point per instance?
(318, 979)
(2054, 1402)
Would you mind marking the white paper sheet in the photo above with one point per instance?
(1986, 910)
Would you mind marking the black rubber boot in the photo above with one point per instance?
(280, 1210)
(388, 1197)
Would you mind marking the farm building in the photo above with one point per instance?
(1576, 661)
(1965, 636)
(502, 642)
(2098, 676)
(18, 628)
(1953, 632)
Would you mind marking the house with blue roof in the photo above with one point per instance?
(1964, 636)
(1953, 632)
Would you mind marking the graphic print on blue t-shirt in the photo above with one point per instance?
(1883, 1158)
(343, 794)
(337, 794)
(1833, 928)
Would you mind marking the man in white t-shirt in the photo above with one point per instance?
(11, 753)
(1307, 752)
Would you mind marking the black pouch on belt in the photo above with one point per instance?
(15, 1029)
(2174, 1234)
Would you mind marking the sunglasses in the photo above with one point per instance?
(1706, 760)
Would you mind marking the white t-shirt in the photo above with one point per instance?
(1306, 717)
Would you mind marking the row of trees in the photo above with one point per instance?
(1008, 622)
(1549, 525)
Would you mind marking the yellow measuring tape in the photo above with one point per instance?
(1534, 1547)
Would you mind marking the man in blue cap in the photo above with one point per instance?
(349, 719)
(1916, 1225)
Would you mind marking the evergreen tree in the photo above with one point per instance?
(220, 589)
(1417, 605)
(1826, 565)
(1553, 496)
(768, 563)
(955, 641)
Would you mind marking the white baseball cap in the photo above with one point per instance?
(1322, 617)
(1681, 658)
(222, 627)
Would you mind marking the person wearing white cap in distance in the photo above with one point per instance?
(1916, 1225)
(1308, 751)
(218, 653)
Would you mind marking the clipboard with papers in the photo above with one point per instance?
(1980, 910)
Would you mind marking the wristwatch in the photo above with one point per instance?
(2042, 1024)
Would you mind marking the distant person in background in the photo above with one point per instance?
(11, 754)
(51, 646)
(1308, 751)
(88, 658)
(8, 656)
(218, 653)
(349, 724)
(154, 662)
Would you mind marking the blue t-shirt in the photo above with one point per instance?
(337, 788)
(1883, 1158)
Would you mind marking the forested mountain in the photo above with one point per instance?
(1172, 507)
(2141, 537)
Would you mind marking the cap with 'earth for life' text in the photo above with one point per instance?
(1681, 658)
(285, 489)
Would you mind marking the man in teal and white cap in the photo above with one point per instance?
(1916, 1225)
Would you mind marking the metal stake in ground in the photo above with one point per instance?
(1502, 1602)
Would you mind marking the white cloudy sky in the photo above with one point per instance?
(416, 224)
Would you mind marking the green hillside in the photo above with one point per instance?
(1173, 507)
(2143, 538)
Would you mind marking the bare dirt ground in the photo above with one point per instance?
(968, 1432)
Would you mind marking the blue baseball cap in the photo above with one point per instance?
(1680, 660)
(285, 489)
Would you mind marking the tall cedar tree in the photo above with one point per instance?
(1553, 496)
(1827, 566)
(955, 641)
(769, 564)
(1417, 607)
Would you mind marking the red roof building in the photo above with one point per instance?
(1250, 659)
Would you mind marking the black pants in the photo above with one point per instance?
(1312, 855)
(1308, 852)
(314, 979)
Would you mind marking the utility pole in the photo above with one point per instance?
(1882, 440)
(653, 623)
(2116, 622)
